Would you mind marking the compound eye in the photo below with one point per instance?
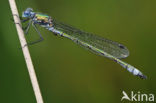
(26, 13)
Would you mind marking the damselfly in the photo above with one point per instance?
(96, 44)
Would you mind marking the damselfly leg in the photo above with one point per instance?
(22, 20)
(37, 41)
(27, 27)
(41, 38)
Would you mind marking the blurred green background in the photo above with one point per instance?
(68, 73)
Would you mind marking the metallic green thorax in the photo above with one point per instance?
(41, 15)
(43, 20)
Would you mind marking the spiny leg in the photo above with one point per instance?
(27, 27)
(41, 38)
(22, 20)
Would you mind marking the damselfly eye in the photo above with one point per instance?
(26, 14)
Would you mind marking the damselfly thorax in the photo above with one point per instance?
(42, 20)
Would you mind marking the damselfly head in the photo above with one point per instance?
(28, 13)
